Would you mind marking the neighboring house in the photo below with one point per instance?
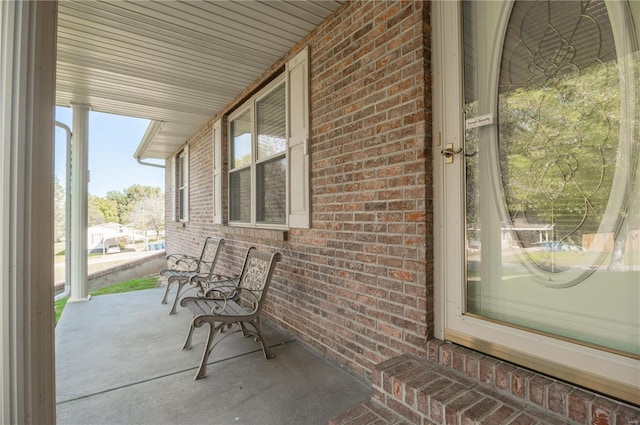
(109, 235)
(346, 157)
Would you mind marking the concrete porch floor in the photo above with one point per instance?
(119, 361)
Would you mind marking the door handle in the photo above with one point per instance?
(448, 152)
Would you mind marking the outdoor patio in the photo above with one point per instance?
(119, 361)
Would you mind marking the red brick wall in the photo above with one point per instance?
(355, 285)
(188, 237)
(368, 242)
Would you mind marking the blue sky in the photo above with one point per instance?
(113, 140)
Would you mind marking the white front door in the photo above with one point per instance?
(540, 185)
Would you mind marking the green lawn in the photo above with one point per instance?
(128, 286)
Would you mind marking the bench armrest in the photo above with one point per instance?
(219, 298)
(205, 282)
(222, 292)
(216, 281)
(183, 262)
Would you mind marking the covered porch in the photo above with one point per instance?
(119, 360)
(178, 64)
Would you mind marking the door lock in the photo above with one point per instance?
(448, 152)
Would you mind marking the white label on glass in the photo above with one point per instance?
(479, 121)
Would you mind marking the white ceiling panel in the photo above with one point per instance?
(177, 63)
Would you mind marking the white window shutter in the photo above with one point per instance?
(298, 140)
(217, 172)
(187, 183)
(174, 182)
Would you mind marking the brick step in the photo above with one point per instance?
(409, 390)
(369, 413)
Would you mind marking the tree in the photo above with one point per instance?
(138, 192)
(148, 213)
(557, 135)
(94, 215)
(561, 147)
(108, 208)
(120, 200)
(101, 210)
(130, 196)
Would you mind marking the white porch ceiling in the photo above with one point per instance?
(176, 63)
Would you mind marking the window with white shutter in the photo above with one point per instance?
(217, 172)
(268, 153)
(181, 181)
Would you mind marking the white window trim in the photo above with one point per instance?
(247, 106)
(178, 215)
(298, 199)
(250, 105)
(256, 161)
(217, 172)
(609, 373)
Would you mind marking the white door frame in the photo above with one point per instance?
(608, 373)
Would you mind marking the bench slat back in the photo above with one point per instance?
(209, 255)
(256, 276)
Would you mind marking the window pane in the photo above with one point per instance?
(271, 123)
(182, 170)
(182, 204)
(240, 195)
(241, 140)
(181, 186)
(271, 191)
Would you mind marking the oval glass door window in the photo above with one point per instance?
(553, 230)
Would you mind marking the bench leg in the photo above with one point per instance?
(257, 325)
(181, 283)
(245, 332)
(202, 370)
(187, 343)
(166, 293)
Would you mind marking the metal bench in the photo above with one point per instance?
(190, 269)
(229, 307)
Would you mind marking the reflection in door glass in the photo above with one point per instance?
(553, 233)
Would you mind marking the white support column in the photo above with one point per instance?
(27, 87)
(79, 196)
